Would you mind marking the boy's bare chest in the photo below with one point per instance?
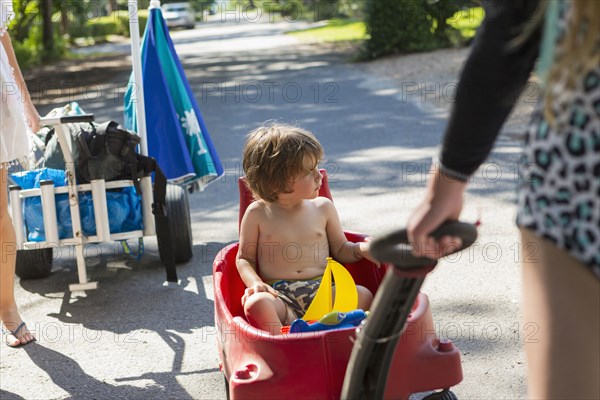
(303, 230)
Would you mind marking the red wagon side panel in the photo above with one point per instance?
(313, 365)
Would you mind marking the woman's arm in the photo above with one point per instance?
(491, 81)
(33, 118)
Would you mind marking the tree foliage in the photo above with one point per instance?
(42, 29)
(35, 30)
(409, 25)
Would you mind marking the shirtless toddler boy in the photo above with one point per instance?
(289, 231)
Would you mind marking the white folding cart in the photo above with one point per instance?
(34, 259)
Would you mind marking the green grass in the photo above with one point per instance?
(467, 21)
(335, 31)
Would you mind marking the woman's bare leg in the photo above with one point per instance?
(8, 307)
(561, 299)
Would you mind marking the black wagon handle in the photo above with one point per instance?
(395, 248)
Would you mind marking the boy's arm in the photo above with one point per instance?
(247, 255)
(341, 248)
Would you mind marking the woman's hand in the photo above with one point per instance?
(443, 201)
(259, 287)
(32, 116)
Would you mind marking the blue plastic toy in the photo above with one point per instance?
(332, 320)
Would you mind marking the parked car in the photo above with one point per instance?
(179, 15)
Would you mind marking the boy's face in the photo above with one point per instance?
(308, 183)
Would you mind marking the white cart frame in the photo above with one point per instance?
(98, 188)
(47, 191)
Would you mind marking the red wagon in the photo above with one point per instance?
(256, 364)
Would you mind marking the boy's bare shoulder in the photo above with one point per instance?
(256, 207)
(255, 212)
(322, 203)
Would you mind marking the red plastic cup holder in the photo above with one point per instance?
(246, 372)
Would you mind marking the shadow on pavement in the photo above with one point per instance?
(69, 376)
(131, 295)
(128, 306)
(4, 395)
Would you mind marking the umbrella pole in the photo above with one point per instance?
(138, 98)
(138, 82)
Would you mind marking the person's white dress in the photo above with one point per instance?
(14, 131)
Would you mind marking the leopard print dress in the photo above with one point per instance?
(559, 186)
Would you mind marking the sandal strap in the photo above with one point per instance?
(16, 331)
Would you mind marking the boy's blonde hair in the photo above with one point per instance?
(273, 156)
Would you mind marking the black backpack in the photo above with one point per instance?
(101, 151)
(109, 153)
(106, 151)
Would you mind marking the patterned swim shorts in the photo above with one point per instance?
(297, 295)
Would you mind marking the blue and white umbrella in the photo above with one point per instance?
(173, 131)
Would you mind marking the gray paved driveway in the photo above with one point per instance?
(133, 338)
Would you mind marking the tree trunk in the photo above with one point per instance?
(64, 21)
(47, 34)
(111, 6)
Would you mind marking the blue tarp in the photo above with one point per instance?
(124, 207)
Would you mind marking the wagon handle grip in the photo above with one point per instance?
(395, 248)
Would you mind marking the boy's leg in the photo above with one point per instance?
(365, 298)
(266, 312)
(561, 301)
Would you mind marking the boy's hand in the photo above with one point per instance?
(259, 287)
(365, 250)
